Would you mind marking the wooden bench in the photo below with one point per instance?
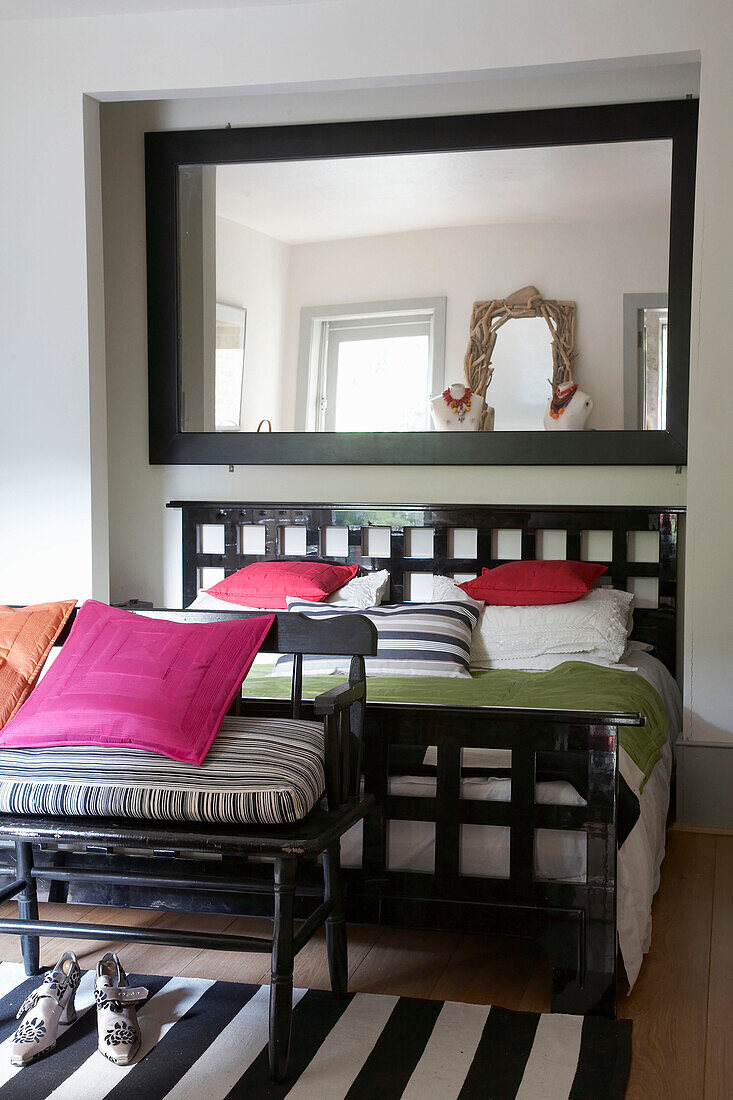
(286, 846)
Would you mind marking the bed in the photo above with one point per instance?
(462, 837)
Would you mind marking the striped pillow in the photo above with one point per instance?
(413, 639)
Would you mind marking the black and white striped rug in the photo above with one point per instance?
(206, 1040)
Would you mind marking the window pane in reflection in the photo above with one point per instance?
(379, 382)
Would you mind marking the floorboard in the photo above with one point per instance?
(157, 959)
(719, 1050)
(491, 970)
(405, 963)
(668, 1004)
(89, 951)
(682, 1004)
(232, 966)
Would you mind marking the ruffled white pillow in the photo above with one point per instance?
(597, 624)
(445, 588)
(367, 591)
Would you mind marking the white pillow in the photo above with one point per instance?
(367, 591)
(445, 588)
(206, 602)
(598, 624)
(551, 660)
(548, 661)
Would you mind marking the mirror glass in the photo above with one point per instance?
(335, 295)
(653, 367)
(520, 384)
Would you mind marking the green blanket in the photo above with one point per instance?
(573, 685)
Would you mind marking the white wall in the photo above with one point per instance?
(592, 263)
(252, 272)
(197, 291)
(144, 537)
(56, 415)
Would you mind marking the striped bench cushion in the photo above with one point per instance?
(266, 771)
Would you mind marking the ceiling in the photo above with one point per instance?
(56, 9)
(306, 201)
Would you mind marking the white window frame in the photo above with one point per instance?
(633, 304)
(663, 369)
(354, 321)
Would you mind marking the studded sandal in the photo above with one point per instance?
(118, 1029)
(44, 1011)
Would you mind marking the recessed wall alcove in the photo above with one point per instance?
(144, 538)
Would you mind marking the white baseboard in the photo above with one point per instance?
(705, 784)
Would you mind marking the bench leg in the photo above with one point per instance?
(336, 942)
(281, 982)
(27, 904)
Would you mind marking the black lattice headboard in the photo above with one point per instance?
(414, 541)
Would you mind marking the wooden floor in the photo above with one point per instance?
(682, 1004)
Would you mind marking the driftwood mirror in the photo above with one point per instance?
(357, 250)
(487, 318)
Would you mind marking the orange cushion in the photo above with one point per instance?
(26, 637)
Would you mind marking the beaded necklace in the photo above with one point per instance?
(561, 399)
(458, 405)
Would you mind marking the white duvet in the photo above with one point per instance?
(560, 855)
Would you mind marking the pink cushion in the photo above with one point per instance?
(532, 583)
(269, 583)
(121, 679)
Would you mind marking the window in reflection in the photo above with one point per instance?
(653, 343)
(645, 361)
(376, 375)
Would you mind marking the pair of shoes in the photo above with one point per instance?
(52, 1006)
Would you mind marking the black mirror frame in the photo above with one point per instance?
(165, 151)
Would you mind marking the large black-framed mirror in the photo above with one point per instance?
(289, 184)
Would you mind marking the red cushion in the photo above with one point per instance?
(519, 583)
(269, 583)
(121, 679)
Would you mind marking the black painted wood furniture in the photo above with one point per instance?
(237, 848)
(671, 120)
(574, 922)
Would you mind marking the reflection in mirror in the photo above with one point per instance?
(645, 361)
(653, 355)
(522, 363)
(366, 367)
(415, 240)
(197, 297)
(369, 366)
(229, 367)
